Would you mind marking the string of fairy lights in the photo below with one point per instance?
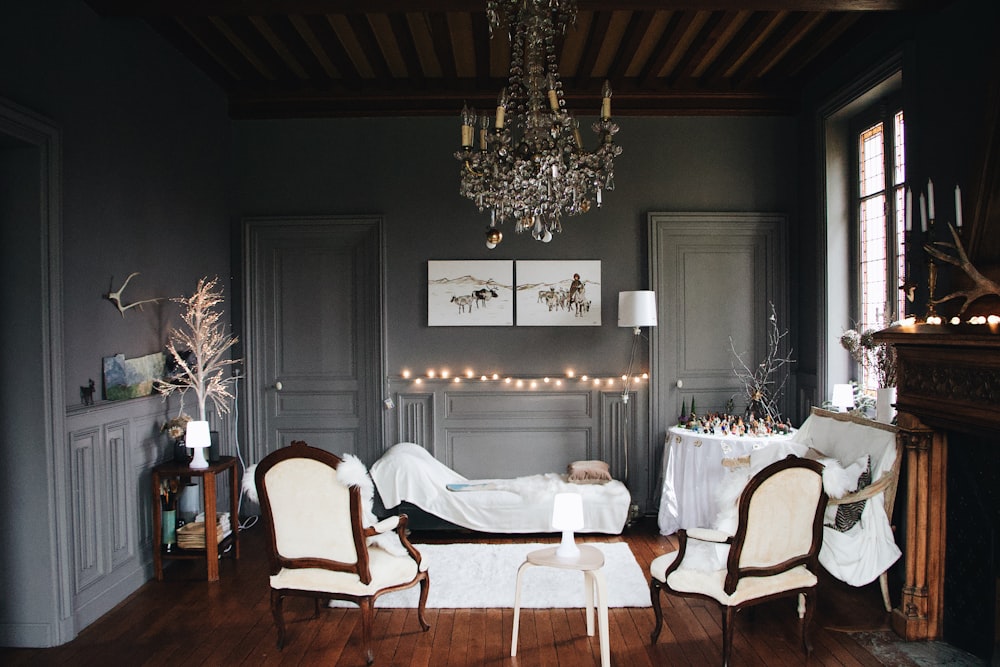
(993, 321)
(518, 380)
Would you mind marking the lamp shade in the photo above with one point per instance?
(198, 438)
(567, 511)
(843, 397)
(637, 309)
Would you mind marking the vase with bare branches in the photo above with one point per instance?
(200, 351)
(764, 383)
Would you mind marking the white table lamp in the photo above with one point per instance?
(843, 397)
(198, 438)
(567, 516)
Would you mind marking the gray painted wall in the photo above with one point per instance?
(145, 157)
(404, 169)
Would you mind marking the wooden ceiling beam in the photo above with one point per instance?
(339, 102)
(151, 8)
(630, 44)
(408, 48)
(369, 45)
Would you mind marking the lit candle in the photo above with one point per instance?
(484, 122)
(468, 121)
(958, 206)
(606, 102)
(930, 198)
(923, 213)
(553, 98)
(502, 101)
(909, 209)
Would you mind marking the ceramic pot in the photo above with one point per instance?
(885, 404)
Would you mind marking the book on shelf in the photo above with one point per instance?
(192, 535)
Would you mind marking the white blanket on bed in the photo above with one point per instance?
(520, 505)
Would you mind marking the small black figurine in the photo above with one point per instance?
(87, 394)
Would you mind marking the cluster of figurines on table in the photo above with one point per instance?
(715, 423)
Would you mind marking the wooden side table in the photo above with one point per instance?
(590, 561)
(211, 551)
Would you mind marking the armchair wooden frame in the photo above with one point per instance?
(736, 571)
(360, 567)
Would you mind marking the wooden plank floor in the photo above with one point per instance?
(186, 621)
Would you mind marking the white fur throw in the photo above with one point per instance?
(250, 483)
(710, 557)
(350, 472)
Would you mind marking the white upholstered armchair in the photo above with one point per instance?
(319, 545)
(772, 554)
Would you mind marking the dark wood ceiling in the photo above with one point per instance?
(312, 58)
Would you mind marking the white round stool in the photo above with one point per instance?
(590, 561)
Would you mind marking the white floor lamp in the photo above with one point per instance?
(635, 309)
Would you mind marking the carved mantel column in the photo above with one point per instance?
(921, 609)
(948, 380)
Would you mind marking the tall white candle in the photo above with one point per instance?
(930, 198)
(958, 206)
(923, 213)
(909, 209)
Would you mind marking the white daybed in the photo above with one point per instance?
(408, 472)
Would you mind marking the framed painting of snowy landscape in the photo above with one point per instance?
(470, 293)
(559, 293)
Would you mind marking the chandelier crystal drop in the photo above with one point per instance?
(530, 166)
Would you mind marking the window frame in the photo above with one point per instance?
(884, 110)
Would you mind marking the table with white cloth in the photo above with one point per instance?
(695, 465)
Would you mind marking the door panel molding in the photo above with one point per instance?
(714, 274)
(327, 391)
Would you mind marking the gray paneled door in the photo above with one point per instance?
(314, 332)
(714, 276)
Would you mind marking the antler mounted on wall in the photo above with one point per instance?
(981, 285)
(116, 296)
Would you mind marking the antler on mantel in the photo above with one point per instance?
(116, 297)
(981, 285)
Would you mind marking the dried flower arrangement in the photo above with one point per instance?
(199, 351)
(176, 428)
(764, 385)
(876, 359)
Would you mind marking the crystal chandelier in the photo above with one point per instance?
(531, 166)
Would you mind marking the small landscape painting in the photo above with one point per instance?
(470, 293)
(132, 378)
(559, 293)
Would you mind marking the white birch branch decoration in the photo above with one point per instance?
(116, 297)
(982, 286)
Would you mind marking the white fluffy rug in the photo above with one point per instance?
(473, 576)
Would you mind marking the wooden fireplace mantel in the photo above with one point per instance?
(948, 380)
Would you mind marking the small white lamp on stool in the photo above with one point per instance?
(843, 397)
(567, 516)
(198, 438)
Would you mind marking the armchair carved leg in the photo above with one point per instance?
(806, 607)
(425, 585)
(366, 628)
(654, 597)
(728, 620)
(277, 598)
